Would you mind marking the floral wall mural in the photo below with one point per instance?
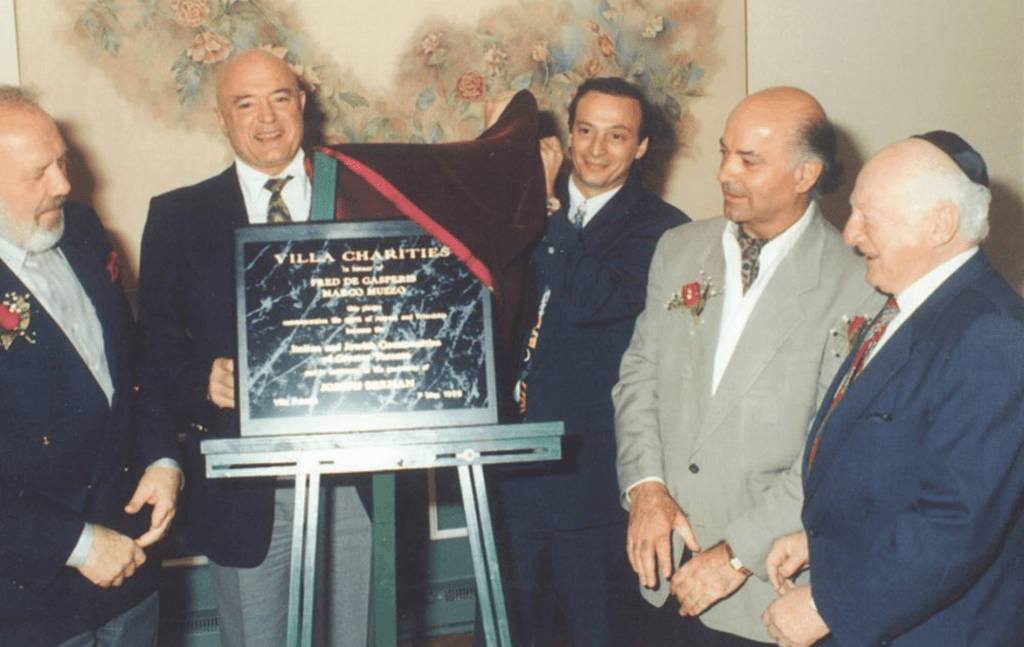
(165, 54)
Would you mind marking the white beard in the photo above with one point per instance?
(30, 236)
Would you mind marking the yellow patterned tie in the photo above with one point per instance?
(277, 210)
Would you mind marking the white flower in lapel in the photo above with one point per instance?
(694, 296)
(14, 319)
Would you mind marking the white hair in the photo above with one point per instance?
(934, 185)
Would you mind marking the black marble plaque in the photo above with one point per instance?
(358, 327)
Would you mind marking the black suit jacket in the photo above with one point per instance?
(187, 317)
(598, 281)
(67, 456)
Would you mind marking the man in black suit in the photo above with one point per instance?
(187, 312)
(73, 567)
(565, 523)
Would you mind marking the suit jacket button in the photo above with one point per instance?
(45, 441)
(694, 468)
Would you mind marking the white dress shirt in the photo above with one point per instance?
(911, 298)
(297, 194)
(53, 283)
(737, 306)
(594, 204)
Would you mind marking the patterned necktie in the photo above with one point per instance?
(577, 216)
(750, 252)
(277, 210)
(870, 340)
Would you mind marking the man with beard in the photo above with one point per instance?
(73, 537)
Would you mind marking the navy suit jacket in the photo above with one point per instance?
(598, 281)
(67, 457)
(913, 505)
(187, 317)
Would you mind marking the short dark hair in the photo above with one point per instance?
(817, 140)
(617, 87)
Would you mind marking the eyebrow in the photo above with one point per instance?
(721, 144)
(250, 95)
(581, 122)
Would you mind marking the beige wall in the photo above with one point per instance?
(8, 44)
(882, 69)
(887, 69)
(127, 156)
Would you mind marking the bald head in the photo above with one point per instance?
(768, 171)
(912, 210)
(33, 180)
(259, 109)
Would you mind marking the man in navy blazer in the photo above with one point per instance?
(73, 567)
(914, 469)
(565, 524)
(187, 313)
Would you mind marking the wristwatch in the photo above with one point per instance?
(734, 561)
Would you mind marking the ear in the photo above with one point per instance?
(220, 120)
(943, 223)
(302, 100)
(807, 173)
(641, 150)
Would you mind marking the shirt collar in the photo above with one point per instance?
(252, 181)
(594, 204)
(785, 240)
(12, 255)
(918, 292)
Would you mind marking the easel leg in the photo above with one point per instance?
(490, 596)
(385, 611)
(303, 562)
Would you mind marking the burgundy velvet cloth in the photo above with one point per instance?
(483, 198)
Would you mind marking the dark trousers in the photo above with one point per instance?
(664, 627)
(578, 580)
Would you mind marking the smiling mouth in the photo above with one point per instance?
(269, 137)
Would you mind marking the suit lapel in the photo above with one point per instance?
(883, 369)
(712, 263)
(772, 322)
(102, 293)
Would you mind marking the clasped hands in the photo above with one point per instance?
(114, 557)
(792, 620)
(703, 580)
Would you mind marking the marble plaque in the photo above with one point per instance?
(358, 327)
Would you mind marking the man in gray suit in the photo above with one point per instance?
(746, 323)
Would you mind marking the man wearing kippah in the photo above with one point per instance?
(913, 472)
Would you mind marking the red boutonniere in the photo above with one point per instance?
(114, 266)
(694, 296)
(14, 319)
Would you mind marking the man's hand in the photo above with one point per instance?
(221, 391)
(112, 559)
(496, 106)
(552, 155)
(704, 579)
(789, 555)
(158, 487)
(792, 620)
(653, 515)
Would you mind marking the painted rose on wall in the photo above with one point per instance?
(166, 53)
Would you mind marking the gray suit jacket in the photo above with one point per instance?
(732, 460)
